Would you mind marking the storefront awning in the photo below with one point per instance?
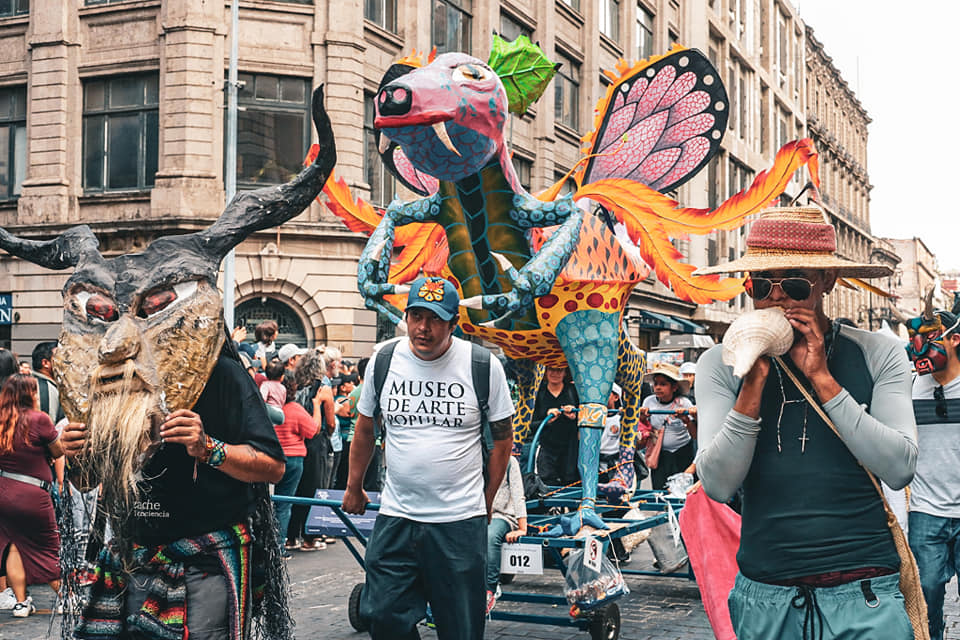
(689, 326)
(656, 321)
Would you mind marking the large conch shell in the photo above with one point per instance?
(764, 332)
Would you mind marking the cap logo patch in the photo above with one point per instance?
(432, 291)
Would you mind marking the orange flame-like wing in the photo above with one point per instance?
(421, 241)
(652, 218)
(639, 200)
(657, 250)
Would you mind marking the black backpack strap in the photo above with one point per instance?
(44, 392)
(381, 367)
(480, 371)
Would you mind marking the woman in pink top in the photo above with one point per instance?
(297, 426)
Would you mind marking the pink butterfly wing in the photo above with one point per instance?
(664, 123)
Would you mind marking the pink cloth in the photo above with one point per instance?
(711, 532)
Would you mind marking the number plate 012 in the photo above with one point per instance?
(521, 558)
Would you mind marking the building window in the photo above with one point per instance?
(782, 51)
(382, 183)
(739, 177)
(120, 133)
(511, 28)
(273, 128)
(610, 19)
(644, 32)
(524, 169)
(13, 141)
(574, 4)
(451, 25)
(567, 93)
(382, 13)
(14, 7)
(254, 311)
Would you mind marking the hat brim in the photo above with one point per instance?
(683, 384)
(844, 268)
(442, 313)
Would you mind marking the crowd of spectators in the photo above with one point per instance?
(311, 396)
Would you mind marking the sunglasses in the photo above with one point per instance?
(761, 288)
(941, 403)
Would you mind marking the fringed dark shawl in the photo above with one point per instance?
(251, 564)
(164, 612)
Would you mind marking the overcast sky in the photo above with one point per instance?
(900, 60)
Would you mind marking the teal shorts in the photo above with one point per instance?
(860, 610)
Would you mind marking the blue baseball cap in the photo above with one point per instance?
(434, 294)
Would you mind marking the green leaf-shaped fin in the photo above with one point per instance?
(524, 70)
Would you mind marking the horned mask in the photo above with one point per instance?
(927, 334)
(150, 324)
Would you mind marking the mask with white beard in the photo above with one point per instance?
(142, 332)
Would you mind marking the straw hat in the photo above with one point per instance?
(670, 371)
(794, 238)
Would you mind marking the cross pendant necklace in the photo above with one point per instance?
(783, 403)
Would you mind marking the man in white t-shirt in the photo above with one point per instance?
(934, 516)
(429, 541)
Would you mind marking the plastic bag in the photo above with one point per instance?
(678, 484)
(587, 589)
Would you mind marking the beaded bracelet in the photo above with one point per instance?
(216, 452)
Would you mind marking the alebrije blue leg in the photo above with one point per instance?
(589, 339)
(631, 365)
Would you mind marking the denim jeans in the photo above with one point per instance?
(497, 532)
(935, 543)
(287, 487)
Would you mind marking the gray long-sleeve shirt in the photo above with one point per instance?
(808, 508)
(883, 440)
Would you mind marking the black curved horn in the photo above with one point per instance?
(253, 211)
(63, 252)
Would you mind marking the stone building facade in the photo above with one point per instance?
(919, 272)
(113, 112)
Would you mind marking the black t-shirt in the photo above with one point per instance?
(556, 434)
(174, 505)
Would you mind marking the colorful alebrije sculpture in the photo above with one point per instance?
(540, 277)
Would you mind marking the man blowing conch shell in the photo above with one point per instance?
(815, 547)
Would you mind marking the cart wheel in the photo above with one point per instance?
(353, 609)
(506, 578)
(606, 624)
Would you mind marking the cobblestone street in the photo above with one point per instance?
(656, 609)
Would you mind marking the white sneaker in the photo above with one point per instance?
(7, 599)
(24, 609)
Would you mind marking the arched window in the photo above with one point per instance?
(252, 312)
